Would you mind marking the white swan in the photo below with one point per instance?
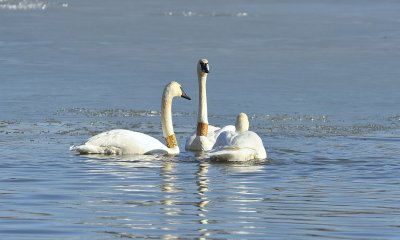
(120, 141)
(205, 135)
(239, 145)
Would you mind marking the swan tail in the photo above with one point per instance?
(92, 149)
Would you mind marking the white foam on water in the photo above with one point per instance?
(22, 5)
(28, 5)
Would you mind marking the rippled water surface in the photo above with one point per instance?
(318, 79)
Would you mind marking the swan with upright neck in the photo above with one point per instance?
(121, 141)
(205, 135)
(238, 145)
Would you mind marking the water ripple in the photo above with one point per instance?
(314, 183)
(203, 14)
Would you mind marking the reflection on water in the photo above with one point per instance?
(312, 187)
(168, 187)
(172, 203)
(202, 183)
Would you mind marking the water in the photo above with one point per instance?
(319, 80)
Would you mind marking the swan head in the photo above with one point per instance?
(202, 67)
(174, 89)
(242, 122)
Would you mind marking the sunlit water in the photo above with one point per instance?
(318, 79)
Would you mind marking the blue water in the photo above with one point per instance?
(318, 79)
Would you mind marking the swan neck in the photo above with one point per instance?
(242, 123)
(171, 141)
(202, 129)
(166, 121)
(202, 116)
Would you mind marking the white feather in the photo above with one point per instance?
(239, 145)
(121, 141)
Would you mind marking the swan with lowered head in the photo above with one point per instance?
(239, 145)
(205, 135)
(120, 141)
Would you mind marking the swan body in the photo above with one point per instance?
(205, 135)
(205, 143)
(120, 141)
(239, 145)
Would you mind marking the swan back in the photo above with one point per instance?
(121, 141)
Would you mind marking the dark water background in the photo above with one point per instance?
(319, 79)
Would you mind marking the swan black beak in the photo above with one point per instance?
(184, 95)
(205, 68)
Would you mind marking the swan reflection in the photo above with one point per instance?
(173, 203)
(168, 186)
(202, 188)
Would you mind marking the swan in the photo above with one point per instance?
(238, 145)
(120, 141)
(205, 135)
